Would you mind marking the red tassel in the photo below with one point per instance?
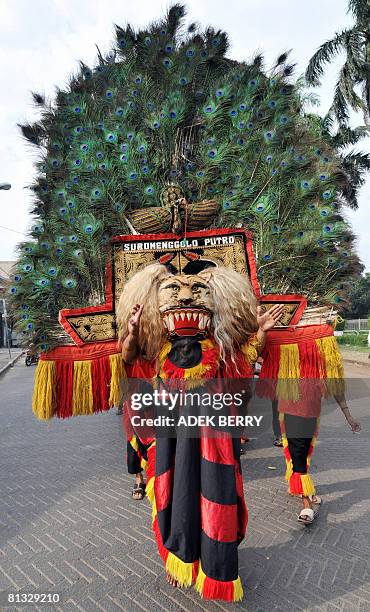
(266, 383)
(271, 362)
(216, 589)
(64, 388)
(295, 484)
(100, 376)
(311, 362)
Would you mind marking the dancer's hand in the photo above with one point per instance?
(266, 320)
(134, 320)
(354, 425)
(130, 346)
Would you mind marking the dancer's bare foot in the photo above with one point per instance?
(172, 581)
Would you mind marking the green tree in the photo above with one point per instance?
(359, 299)
(354, 75)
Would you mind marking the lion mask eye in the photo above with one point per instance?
(198, 286)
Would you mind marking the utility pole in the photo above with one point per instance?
(6, 328)
(6, 187)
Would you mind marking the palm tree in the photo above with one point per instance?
(353, 165)
(355, 72)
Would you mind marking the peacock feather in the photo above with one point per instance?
(166, 108)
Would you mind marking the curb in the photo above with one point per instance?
(356, 362)
(11, 363)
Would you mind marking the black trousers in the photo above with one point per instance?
(134, 457)
(299, 433)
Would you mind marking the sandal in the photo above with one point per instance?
(278, 441)
(306, 516)
(138, 492)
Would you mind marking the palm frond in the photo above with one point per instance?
(339, 106)
(325, 53)
(359, 8)
(349, 136)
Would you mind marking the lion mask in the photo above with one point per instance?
(216, 302)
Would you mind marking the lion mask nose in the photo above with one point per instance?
(186, 300)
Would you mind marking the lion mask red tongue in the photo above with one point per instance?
(188, 321)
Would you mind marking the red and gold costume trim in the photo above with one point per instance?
(300, 354)
(73, 381)
(207, 368)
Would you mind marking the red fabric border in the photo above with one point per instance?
(195, 234)
(296, 335)
(82, 353)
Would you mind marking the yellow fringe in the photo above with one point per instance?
(238, 590)
(82, 398)
(289, 469)
(251, 349)
(179, 570)
(287, 387)
(197, 371)
(308, 487)
(330, 353)
(43, 393)
(163, 353)
(199, 583)
(118, 376)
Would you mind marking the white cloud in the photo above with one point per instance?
(43, 40)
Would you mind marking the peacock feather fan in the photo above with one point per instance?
(164, 107)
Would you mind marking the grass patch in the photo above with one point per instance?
(353, 341)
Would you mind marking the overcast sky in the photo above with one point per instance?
(42, 41)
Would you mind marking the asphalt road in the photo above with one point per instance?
(68, 524)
